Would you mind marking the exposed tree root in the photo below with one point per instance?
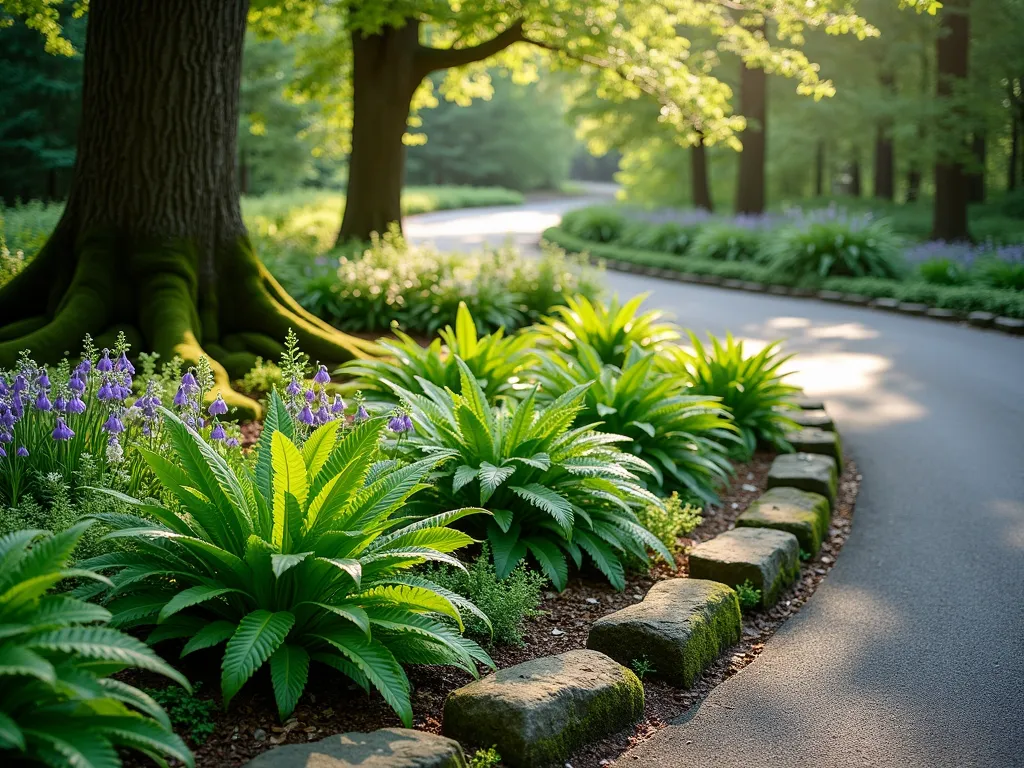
(153, 294)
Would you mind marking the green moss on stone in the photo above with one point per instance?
(804, 514)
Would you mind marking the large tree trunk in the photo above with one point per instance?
(385, 76)
(700, 188)
(152, 241)
(753, 106)
(951, 189)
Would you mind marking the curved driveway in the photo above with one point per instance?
(911, 652)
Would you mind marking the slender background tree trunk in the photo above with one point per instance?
(1011, 169)
(951, 188)
(819, 168)
(855, 177)
(884, 171)
(976, 193)
(753, 106)
(700, 187)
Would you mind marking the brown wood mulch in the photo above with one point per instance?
(331, 705)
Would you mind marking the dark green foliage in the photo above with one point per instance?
(59, 705)
(306, 559)
(834, 248)
(610, 329)
(507, 602)
(189, 714)
(553, 490)
(642, 666)
(999, 274)
(750, 387)
(598, 224)
(495, 361)
(725, 241)
(668, 237)
(682, 437)
(749, 596)
(41, 104)
(943, 272)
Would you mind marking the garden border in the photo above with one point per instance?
(589, 707)
(977, 319)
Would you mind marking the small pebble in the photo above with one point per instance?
(593, 600)
(557, 632)
(749, 487)
(259, 734)
(735, 505)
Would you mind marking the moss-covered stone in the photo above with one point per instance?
(768, 559)
(806, 471)
(539, 712)
(813, 418)
(681, 627)
(386, 748)
(802, 513)
(814, 440)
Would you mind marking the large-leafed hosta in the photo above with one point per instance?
(553, 490)
(58, 704)
(304, 561)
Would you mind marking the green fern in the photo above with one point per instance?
(302, 560)
(495, 360)
(750, 387)
(683, 437)
(610, 329)
(553, 490)
(58, 705)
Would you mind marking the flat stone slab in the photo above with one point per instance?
(1009, 324)
(539, 712)
(680, 627)
(806, 471)
(813, 440)
(884, 303)
(938, 313)
(805, 515)
(386, 748)
(808, 403)
(830, 295)
(856, 298)
(813, 418)
(768, 559)
(912, 308)
(981, 319)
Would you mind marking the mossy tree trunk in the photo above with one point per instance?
(388, 66)
(152, 241)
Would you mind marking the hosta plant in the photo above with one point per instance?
(817, 248)
(495, 360)
(611, 329)
(554, 490)
(58, 704)
(683, 437)
(305, 560)
(751, 387)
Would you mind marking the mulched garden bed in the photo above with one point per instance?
(331, 705)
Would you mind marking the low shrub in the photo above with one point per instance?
(943, 272)
(419, 289)
(507, 603)
(749, 387)
(189, 714)
(682, 437)
(553, 491)
(305, 559)
(59, 705)
(670, 521)
(667, 237)
(728, 241)
(843, 246)
(609, 329)
(599, 224)
(495, 360)
(1002, 270)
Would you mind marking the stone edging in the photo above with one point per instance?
(538, 713)
(1009, 325)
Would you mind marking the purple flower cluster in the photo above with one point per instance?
(400, 423)
(313, 407)
(964, 254)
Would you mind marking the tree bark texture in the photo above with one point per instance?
(976, 190)
(855, 177)
(885, 156)
(819, 169)
(753, 106)
(700, 187)
(951, 183)
(152, 241)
